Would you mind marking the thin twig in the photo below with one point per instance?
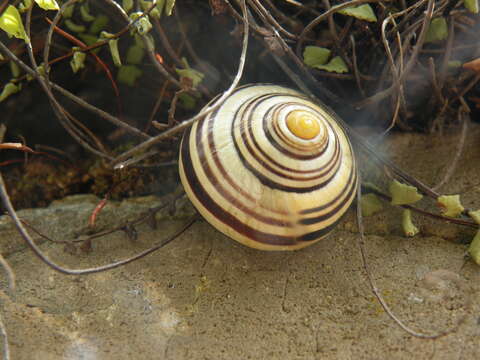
(208, 109)
(376, 291)
(460, 144)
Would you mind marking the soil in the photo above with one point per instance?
(206, 297)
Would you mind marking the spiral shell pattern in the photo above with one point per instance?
(269, 168)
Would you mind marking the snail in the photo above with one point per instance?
(270, 168)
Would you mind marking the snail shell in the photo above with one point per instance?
(269, 168)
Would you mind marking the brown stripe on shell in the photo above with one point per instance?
(227, 218)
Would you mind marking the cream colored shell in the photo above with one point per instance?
(257, 181)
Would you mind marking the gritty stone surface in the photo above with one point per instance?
(204, 296)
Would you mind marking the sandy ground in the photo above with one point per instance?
(206, 297)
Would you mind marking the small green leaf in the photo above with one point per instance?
(68, 11)
(41, 71)
(113, 45)
(146, 5)
(336, 65)
(474, 248)
(362, 12)
(100, 23)
(450, 205)
(370, 204)
(12, 24)
(47, 4)
(127, 5)
(15, 69)
(194, 75)
(128, 74)
(143, 24)
(403, 194)
(169, 7)
(135, 54)
(187, 101)
(88, 39)
(471, 5)
(315, 55)
(409, 228)
(10, 89)
(453, 64)
(475, 215)
(437, 31)
(78, 60)
(74, 27)
(25, 5)
(85, 13)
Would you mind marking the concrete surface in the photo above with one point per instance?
(207, 297)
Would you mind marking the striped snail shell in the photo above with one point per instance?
(269, 168)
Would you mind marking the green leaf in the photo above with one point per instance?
(474, 248)
(475, 215)
(169, 7)
(453, 64)
(47, 4)
(370, 204)
(194, 75)
(68, 11)
(437, 31)
(409, 228)
(403, 194)
(15, 69)
(113, 45)
(135, 54)
(85, 13)
(127, 5)
(315, 55)
(450, 205)
(128, 74)
(471, 5)
(142, 25)
(362, 12)
(187, 101)
(12, 24)
(336, 65)
(74, 27)
(100, 23)
(78, 60)
(10, 89)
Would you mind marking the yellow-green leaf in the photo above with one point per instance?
(409, 228)
(10, 89)
(47, 4)
(141, 23)
(471, 5)
(128, 74)
(336, 65)
(474, 248)
(315, 55)
(74, 27)
(403, 194)
(78, 61)
(437, 31)
(85, 13)
(12, 24)
(113, 45)
(15, 69)
(475, 215)
(100, 23)
(135, 54)
(362, 12)
(450, 205)
(169, 7)
(194, 75)
(187, 101)
(370, 204)
(127, 5)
